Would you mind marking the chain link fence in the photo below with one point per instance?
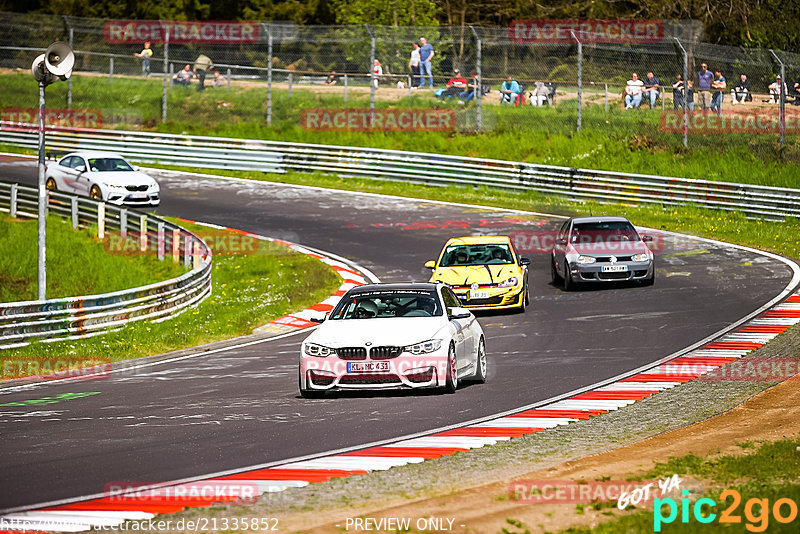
(275, 74)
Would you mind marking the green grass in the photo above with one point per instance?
(68, 254)
(615, 140)
(248, 290)
(769, 471)
(779, 237)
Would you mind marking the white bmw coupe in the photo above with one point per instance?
(392, 336)
(102, 176)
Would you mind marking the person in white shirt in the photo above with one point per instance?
(377, 71)
(775, 90)
(413, 64)
(633, 92)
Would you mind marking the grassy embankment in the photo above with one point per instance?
(250, 289)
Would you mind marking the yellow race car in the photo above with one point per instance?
(485, 272)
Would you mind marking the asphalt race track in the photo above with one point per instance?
(241, 407)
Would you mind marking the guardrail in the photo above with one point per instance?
(85, 316)
(280, 157)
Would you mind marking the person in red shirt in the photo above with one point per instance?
(455, 85)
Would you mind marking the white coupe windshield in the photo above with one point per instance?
(109, 165)
(388, 304)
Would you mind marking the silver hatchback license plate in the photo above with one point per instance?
(614, 268)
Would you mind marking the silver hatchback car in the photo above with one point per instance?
(600, 249)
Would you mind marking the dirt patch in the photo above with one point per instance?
(769, 416)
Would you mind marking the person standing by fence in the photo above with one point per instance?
(202, 65)
(704, 79)
(413, 64)
(145, 54)
(719, 84)
(426, 54)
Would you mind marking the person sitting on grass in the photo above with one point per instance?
(633, 92)
(219, 80)
(184, 76)
(741, 91)
(651, 88)
(455, 85)
(509, 91)
(472, 86)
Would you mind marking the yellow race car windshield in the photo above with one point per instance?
(465, 255)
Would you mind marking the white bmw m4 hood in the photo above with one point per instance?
(396, 332)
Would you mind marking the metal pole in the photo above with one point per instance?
(410, 81)
(42, 267)
(345, 87)
(479, 89)
(12, 203)
(110, 70)
(372, 78)
(229, 79)
(781, 103)
(69, 82)
(685, 93)
(166, 76)
(580, 78)
(289, 79)
(269, 74)
(606, 101)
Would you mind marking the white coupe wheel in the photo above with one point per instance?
(481, 364)
(451, 381)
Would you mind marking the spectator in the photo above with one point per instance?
(145, 54)
(509, 91)
(719, 85)
(184, 76)
(796, 93)
(540, 95)
(426, 55)
(377, 71)
(332, 79)
(741, 91)
(201, 66)
(633, 92)
(219, 79)
(678, 93)
(413, 64)
(472, 86)
(651, 89)
(775, 90)
(705, 78)
(455, 85)
(690, 95)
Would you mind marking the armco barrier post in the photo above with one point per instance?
(195, 255)
(187, 250)
(12, 204)
(176, 245)
(143, 232)
(161, 244)
(123, 223)
(74, 211)
(101, 220)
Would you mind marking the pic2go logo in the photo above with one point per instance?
(756, 511)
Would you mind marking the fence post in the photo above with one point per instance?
(372, 79)
(229, 79)
(410, 81)
(71, 47)
(12, 206)
(176, 245)
(345, 87)
(143, 232)
(161, 243)
(195, 255)
(478, 90)
(606, 100)
(685, 92)
(289, 79)
(580, 77)
(110, 69)
(782, 103)
(166, 76)
(123, 224)
(74, 212)
(187, 250)
(269, 73)
(101, 220)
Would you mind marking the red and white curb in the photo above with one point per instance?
(110, 511)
